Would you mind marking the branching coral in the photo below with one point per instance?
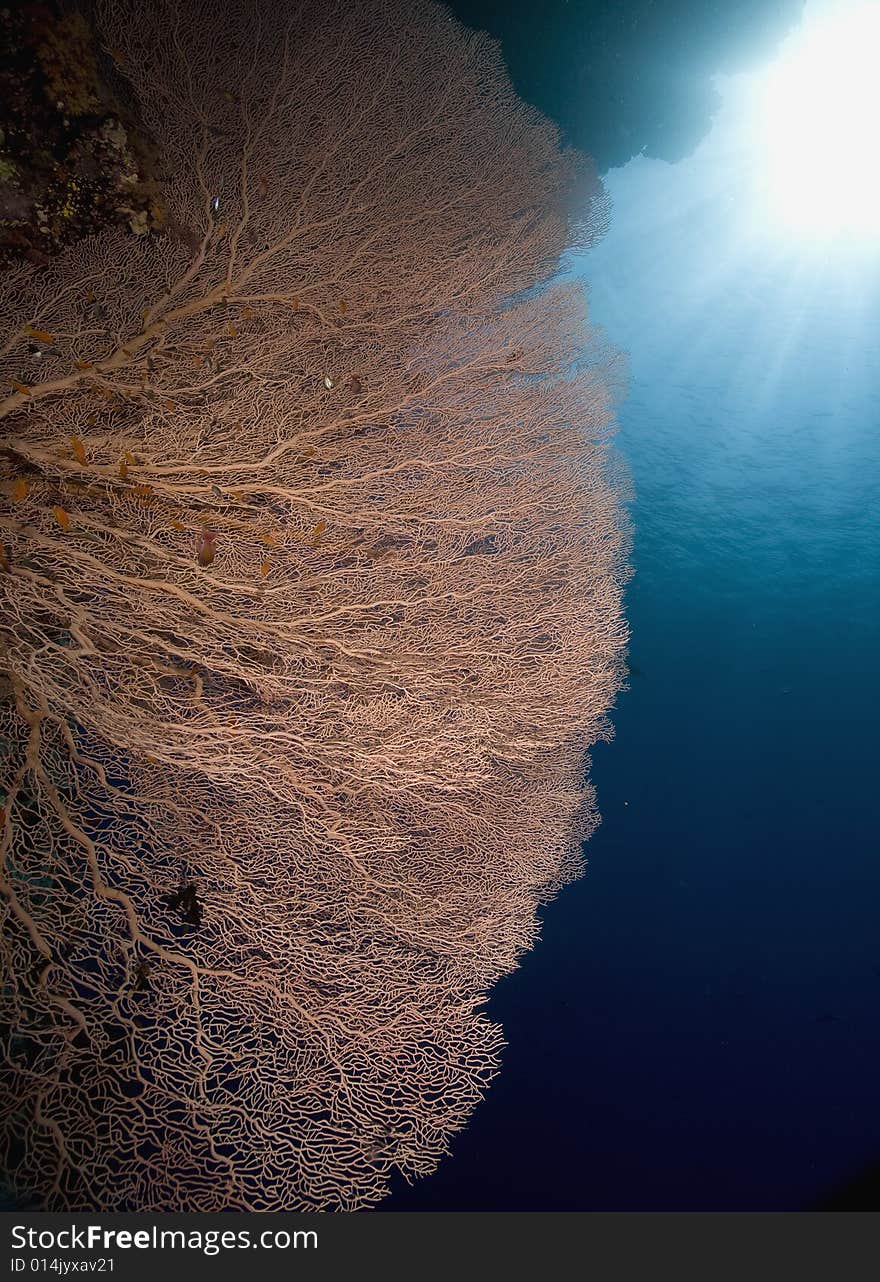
(310, 586)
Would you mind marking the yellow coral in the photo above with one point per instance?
(71, 203)
(139, 222)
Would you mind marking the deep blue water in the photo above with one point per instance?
(698, 1027)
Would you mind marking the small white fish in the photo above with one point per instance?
(215, 204)
(328, 382)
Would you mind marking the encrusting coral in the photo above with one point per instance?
(73, 159)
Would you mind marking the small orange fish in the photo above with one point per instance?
(92, 420)
(144, 314)
(142, 491)
(265, 567)
(177, 525)
(269, 540)
(343, 306)
(82, 364)
(129, 458)
(4, 559)
(232, 332)
(21, 388)
(169, 405)
(77, 445)
(319, 530)
(248, 313)
(19, 490)
(61, 517)
(90, 296)
(123, 469)
(41, 335)
(2, 814)
(205, 547)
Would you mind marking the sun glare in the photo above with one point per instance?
(818, 112)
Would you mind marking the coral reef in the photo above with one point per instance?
(73, 159)
(311, 564)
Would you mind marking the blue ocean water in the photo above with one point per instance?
(698, 1027)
